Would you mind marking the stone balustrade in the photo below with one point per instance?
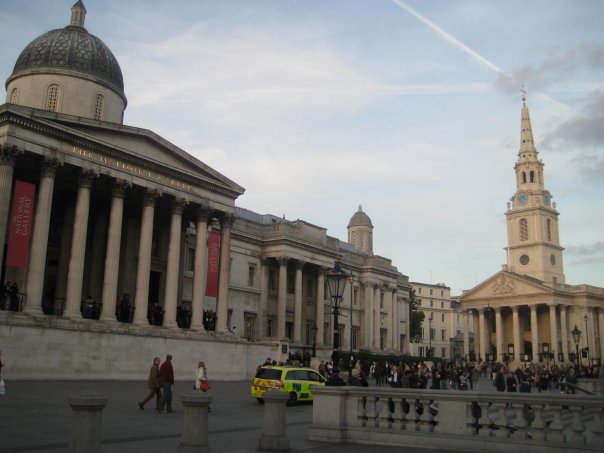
(464, 420)
(593, 385)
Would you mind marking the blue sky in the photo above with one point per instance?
(410, 108)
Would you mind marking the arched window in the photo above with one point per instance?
(524, 177)
(532, 175)
(523, 230)
(98, 107)
(14, 96)
(549, 229)
(52, 98)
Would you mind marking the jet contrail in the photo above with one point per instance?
(447, 37)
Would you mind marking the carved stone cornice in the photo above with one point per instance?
(203, 212)
(178, 205)
(86, 177)
(50, 167)
(8, 155)
(283, 260)
(151, 196)
(119, 187)
(226, 219)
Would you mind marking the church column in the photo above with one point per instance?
(173, 263)
(516, 330)
(563, 333)
(553, 329)
(144, 258)
(368, 334)
(483, 348)
(534, 331)
(395, 320)
(466, 334)
(499, 335)
(39, 239)
(112, 254)
(298, 303)
(199, 271)
(78, 247)
(8, 155)
(320, 305)
(262, 312)
(222, 309)
(601, 333)
(282, 297)
(377, 317)
(472, 324)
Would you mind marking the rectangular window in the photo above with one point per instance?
(271, 280)
(432, 333)
(431, 304)
(383, 333)
(443, 334)
(190, 260)
(420, 351)
(355, 337)
(249, 328)
(442, 305)
(291, 284)
(326, 339)
(442, 317)
(430, 292)
(310, 289)
(401, 343)
(355, 297)
(443, 352)
(381, 300)
(289, 330)
(251, 275)
(269, 327)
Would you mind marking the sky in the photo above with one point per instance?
(409, 108)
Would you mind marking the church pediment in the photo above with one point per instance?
(506, 284)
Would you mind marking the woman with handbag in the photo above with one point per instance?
(201, 380)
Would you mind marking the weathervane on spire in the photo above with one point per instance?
(523, 91)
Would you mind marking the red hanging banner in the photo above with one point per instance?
(21, 221)
(213, 264)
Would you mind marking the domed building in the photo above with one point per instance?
(118, 240)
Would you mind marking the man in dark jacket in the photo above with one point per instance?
(500, 380)
(152, 385)
(166, 379)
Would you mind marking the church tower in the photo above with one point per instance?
(532, 220)
(360, 232)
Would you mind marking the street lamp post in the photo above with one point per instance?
(314, 329)
(585, 318)
(336, 282)
(576, 333)
(430, 319)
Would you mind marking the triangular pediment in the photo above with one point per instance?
(506, 284)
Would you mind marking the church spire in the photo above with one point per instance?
(78, 14)
(527, 144)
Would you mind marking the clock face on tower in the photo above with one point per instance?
(522, 198)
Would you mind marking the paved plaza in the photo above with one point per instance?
(35, 417)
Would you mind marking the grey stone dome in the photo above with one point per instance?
(72, 51)
(360, 219)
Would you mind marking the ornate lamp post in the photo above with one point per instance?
(576, 333)
(336, 282)
(430, 319)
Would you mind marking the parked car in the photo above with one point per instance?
(296, 381)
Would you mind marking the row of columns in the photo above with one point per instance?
(39, 245)
(555, 327)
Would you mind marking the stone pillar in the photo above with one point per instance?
(377, 317)
(222, 309)
(516, 330)
(39, 240)
(282, 297)
(600, 312)
(535, 332)
(199, 271)
(112, 255)
(173, 264)
(86, 423)
(563, 333)
(78, 246)
(553, 329)
(8, 155)
(298, 303)
(483, 348)
(395, 320)
(262, 315)
(95, 286)
(466, 334)
(144, 258)
(368, 337)
(320, 306)
(274, 437)
(64, 252)
(194, 423)
(501, 350)
(472, 328)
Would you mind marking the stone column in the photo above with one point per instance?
(320, 305)
(86, 429)
(553, 328)
(534, 332)
(483, 348)
(499, 335)
(144, 258)
(368, 337)
(64, 252)
(377, 317)
(95, 285)
(298, 303)
(39, 240)
(222, 309)
(8, 155)
(173, 264)
(466, 334)
(194, 423)
(78, 246)
(516, 330)
(262, 315)
(282, 297)
(600, 313)
(199, 271)
(395, 320)
(112, 255)
(472, 324)
(563, 333)
(274, 435)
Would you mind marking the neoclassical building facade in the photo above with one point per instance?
(92, 209)
(526, 312)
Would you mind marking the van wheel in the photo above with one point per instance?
(292, 399)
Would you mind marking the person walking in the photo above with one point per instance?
(152, 385)
(166, 380)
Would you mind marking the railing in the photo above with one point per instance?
(468, 421)
(595, 386)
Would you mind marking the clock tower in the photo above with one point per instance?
(532, 220)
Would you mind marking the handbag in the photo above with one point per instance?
(204, 386)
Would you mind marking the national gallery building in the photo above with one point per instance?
(118, 246)
(527, 312)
